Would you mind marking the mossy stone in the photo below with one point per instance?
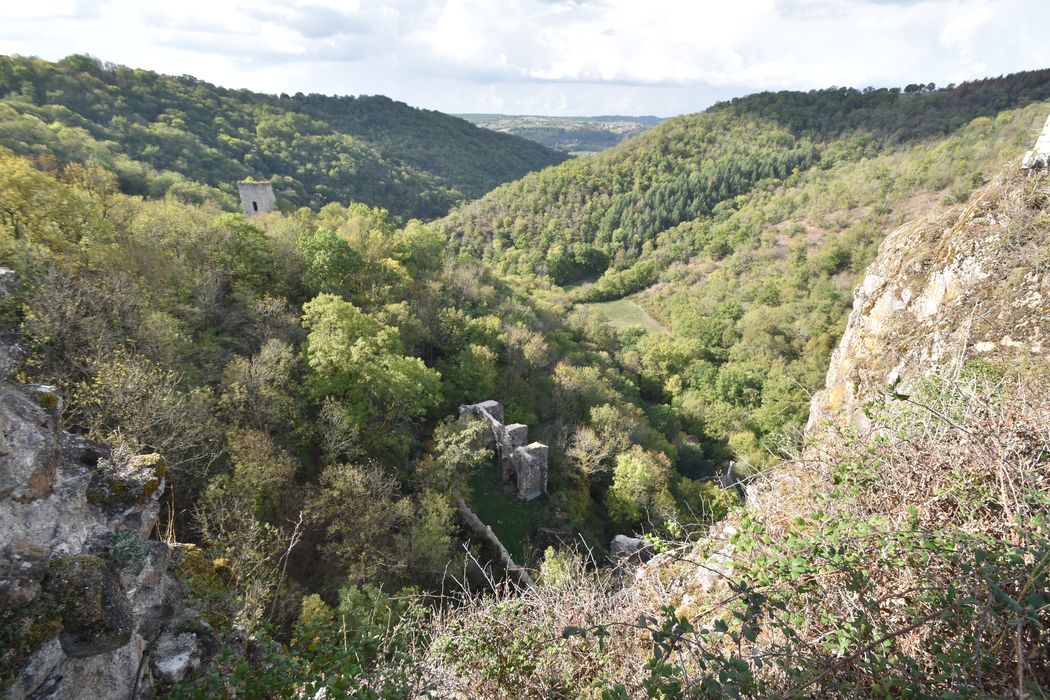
(116, 488)
(92, 605)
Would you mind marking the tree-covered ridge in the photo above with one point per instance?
(575, 135)
(599, 213)
(164, 133)
(894, 115)
(577, 219)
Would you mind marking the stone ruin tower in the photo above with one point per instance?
(522, 464)
(1039, 157)
(256, 197)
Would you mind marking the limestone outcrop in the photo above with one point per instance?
(941, 292)
(523, 464)
(970, 284)
(83, 593)
(1039, 157)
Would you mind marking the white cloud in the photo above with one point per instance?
(561, 56)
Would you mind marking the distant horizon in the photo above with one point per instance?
(570, 58)
(468, 113)
(562, 116)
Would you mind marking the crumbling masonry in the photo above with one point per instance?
(522, 464)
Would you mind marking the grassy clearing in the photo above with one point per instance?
(624, 313)
(513, 521)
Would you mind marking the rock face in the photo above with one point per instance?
(942, 292)
(82, 592)
(95, 611)
(29, 447)
(1039, 157)
(522, 465)
(177, 655)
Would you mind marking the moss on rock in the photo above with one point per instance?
(91, 601)
(119, 484)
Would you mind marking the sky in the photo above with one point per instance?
(556, 57)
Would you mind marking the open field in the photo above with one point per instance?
(624, 313)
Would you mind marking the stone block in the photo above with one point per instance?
(176, 655)
(530, 467)
(517, 435)
(630, 550)
(493, 408)
(30, 428)
(22, 568)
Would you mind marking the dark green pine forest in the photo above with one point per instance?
(300, 370)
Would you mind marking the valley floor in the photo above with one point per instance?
(625, 313)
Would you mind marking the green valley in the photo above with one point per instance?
(774, 374)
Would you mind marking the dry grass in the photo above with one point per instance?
(939, 518)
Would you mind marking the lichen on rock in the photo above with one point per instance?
(82, 589)
(125, 481)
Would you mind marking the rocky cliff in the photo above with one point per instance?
(86, 598)
(943, 291)
(972, 283)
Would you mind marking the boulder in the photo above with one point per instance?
(11, 355)
(11, 352)
(630, 550)
(175, 656)
(30, 423)
(122, 484)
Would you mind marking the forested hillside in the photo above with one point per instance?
(588, 215)
(743, 231)
(185, 136)
(299, 373)
(301, 367)
(903, 553)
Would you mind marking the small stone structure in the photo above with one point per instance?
(1039, 157)
(521, 463)
(256, 197)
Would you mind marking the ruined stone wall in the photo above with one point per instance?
(517, 573)
(522, 463)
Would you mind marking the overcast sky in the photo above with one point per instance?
(565, 57)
